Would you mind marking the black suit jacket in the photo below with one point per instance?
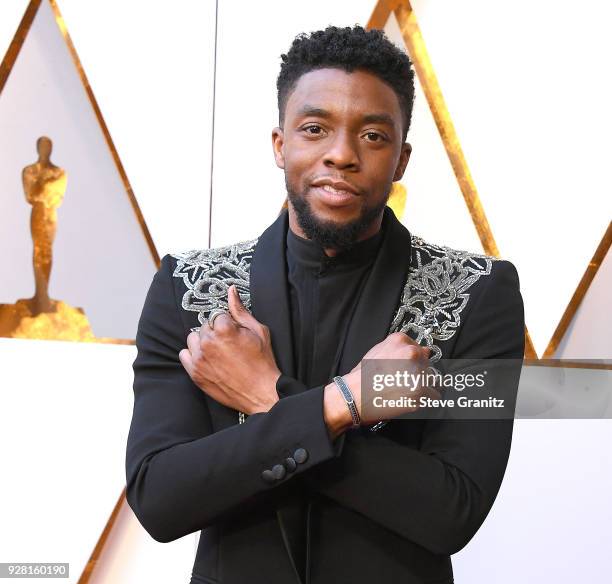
(384, 506)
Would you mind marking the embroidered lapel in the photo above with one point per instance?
(434, 294)
(208, 274)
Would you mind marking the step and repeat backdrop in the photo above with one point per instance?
(129, 130)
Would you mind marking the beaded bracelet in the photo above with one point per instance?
(348, 398)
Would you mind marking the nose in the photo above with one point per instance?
(342, 152)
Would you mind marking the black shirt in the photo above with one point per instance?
(324, 292)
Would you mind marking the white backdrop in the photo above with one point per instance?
(101, 261)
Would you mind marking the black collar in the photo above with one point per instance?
(373, 316)
(311, 255)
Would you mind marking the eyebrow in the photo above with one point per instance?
(379, 118)
(310, 110)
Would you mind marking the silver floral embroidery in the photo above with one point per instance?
(208, 274)
(435, 293)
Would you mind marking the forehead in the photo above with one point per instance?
(338, 91)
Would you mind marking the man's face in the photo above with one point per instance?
(341, 148)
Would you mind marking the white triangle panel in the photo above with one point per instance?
(435, 208)
(101, 260)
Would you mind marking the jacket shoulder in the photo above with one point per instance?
(424, 251)
(441, 283)
(236, 253)
(205, 275)
(465, 269)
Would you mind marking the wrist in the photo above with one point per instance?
(268, 394)
(335, 412)
(274, 397)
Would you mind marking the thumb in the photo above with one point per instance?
(238, 311)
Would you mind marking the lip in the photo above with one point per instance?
(334, 199)
(334, 193)
(339, 185)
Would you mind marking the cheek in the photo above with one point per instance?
(380, 170)
(299, 165)
(292, 173)
(381, 174)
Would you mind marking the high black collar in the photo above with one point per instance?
(373, 315)
(311, 255)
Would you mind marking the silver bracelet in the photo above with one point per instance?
(348, 398)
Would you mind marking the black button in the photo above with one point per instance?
(300, 455)
(268, 476)
(278, 471)
(290, 464)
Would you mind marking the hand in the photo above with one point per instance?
(395, 346)
(234, 362)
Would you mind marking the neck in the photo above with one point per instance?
(372, 230)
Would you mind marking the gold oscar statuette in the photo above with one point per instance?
(44, 185)
(41, 317)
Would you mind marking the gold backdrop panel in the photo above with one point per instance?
(397, 199)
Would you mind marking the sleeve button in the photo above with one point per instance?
(300, 455)
(278, 472)
(268, 476)
(290, 464)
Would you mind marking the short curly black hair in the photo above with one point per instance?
(348, 49)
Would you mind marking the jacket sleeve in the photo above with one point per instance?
(439, 494)
(180, 476)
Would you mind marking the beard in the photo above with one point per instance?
(330, 234)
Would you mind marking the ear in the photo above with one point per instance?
(403, 161)
(278, 141)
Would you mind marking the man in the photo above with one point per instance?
(241, 432)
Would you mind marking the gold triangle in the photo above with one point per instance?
(109, 141)
(65, 322)
(580, 292)
(415, 46)
(6, 67)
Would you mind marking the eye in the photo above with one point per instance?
(313, 130)
(374, 137)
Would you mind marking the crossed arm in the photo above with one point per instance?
(183, 476)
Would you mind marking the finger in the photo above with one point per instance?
(205, 331)
(413, 352)
(238, 311)
(193, 343)
(223, 323)
(406, 338)
(424, 350)
(186, 361)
